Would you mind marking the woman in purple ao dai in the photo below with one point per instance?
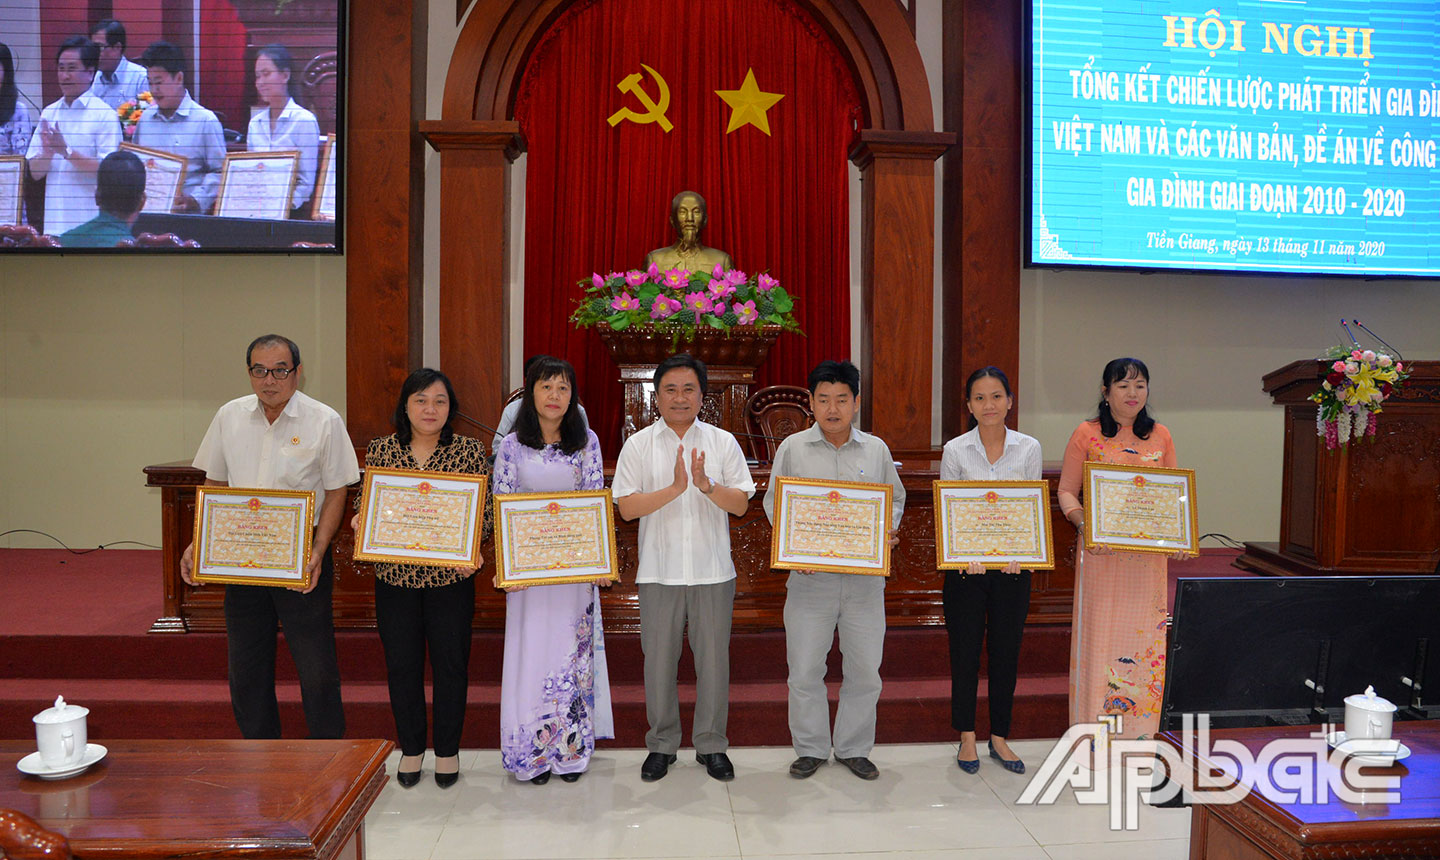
(555, 690)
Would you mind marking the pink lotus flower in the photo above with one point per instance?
(613, 275)
(719, 288)
(625, 302)
(598, 281)
(699, 303)
(675, 278)
(634, 278)
(663, 307)
(718, 272)
(735, 277)
(766, 283)
(653, 273)
(719, 309)
(746, 312)
(1338, 367)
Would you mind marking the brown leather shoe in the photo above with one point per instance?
(861, 767)
(805, 766)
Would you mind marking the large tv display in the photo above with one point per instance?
(1254, 136)
(150, 125)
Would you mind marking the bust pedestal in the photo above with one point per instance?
(731, 359)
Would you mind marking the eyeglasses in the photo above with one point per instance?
(259, 371)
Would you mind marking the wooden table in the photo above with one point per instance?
(153, 799)
(1265, 826)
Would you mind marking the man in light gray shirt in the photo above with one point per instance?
(817, 603)
(177, 125)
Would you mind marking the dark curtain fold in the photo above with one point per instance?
(598, 197)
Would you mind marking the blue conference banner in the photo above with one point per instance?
(1263, 135)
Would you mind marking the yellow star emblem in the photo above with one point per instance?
(748, 104)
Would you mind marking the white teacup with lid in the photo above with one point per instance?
(1368, 716)
(60, 734)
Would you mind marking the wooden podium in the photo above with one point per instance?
(1371, 508)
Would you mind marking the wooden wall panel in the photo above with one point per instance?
(982, 201)
(384, 200)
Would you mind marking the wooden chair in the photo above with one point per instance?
(774, 412)
(25, 236)
(163, 240)
(22, 839)
(319, 81)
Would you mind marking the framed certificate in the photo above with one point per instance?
(994, 523)
(555, 538)
(12, 188)
(164, 177)
(1140, 508)
(834, 526)
(253, 537)
(257, 185)
(322, 207)
(433, 518)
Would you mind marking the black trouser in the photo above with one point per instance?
(408, 619)
(253, 613)
(998, 602)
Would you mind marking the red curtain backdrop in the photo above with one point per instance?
(598, 197)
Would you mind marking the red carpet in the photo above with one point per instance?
(77, 625)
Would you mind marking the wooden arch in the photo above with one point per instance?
(478, 138)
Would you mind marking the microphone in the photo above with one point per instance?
(1349, 333)
(1393, 351)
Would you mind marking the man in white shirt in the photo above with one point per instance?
(281, 439)
(118, 80)
(177, 125)
(684, 479)
(75, 133)
(819, 603)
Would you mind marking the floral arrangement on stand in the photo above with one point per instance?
(682, 302)
(130, 112)
(1355, 389)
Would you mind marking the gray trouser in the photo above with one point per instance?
(664, 610)
(816, 604)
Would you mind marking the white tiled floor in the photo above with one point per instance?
(921, 808)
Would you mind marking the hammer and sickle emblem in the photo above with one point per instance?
(655, 108)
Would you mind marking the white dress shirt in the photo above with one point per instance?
(964, 459)
(296, 128)
(686, 542)
(305, 448)
(91, 129)
(125, 85)
(194, 132)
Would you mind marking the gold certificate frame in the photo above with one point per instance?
(1140, 508)
(831, 526)
(12, 188)
(322, 204)
(253, 537)
(555, 538)
(164, 177)
(258, 185)
(994, 523)
(414, 517)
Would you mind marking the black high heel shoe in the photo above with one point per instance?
(408, 778)
(445, 780)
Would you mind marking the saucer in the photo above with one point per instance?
(1368, 751)
(33, 765)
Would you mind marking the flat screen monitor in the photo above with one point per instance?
(1274, 136)
(150, 125)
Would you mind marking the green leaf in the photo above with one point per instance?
(784, 304)
(775, 319)
(620, 324)
(711, 321)
(647, 293)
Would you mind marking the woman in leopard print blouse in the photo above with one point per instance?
(417, 604)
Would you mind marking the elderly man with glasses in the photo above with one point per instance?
(280, 439)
